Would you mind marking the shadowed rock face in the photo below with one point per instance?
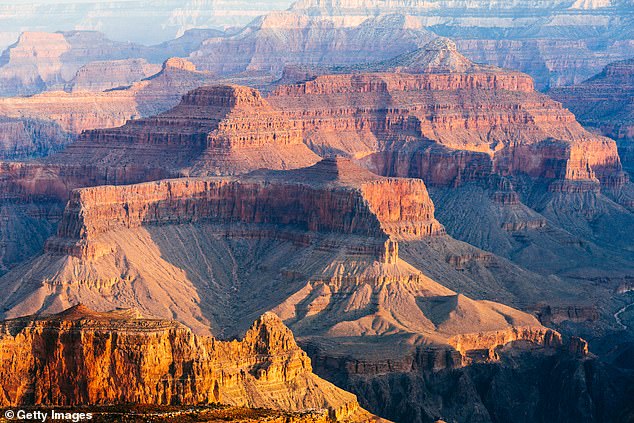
(119, 357)
(605, 102)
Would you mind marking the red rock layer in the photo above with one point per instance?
(80, 357)
(345, 200)
(447, 128)
(605, 102)
(223, 129)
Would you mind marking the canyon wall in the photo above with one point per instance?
(374, 207)
(23, 138)
(119, 357)
(447, 128)
(107, 75)
(604, 103)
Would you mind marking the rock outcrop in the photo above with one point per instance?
(74, 112)
(460, 122)
(331, 196)
(107, 75)
(224, 129)
(81, 357)
(605, 103)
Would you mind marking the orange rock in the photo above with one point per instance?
(81, 357)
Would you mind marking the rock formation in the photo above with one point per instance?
(332, 196)
(41, 61)
(550, 40)
(21, 138)
(336, 227)
(605, 103)
(216, 130)
(120, 357)
(271, 42)
(407, 123)
(106, 75)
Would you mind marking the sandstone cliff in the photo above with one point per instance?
(106, 75)
(460, 122)
(604, 102)
(224, 129)
(80, 357)
(332, 196)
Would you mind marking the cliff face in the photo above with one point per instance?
(456, 124)
(118, 357)
(40, 60)
(106, 75)
(80, 110)
(74, 112)
(88, 60)
(318, 199)
(549, 40)
(604, 102)
(282, 38)
(21, 138)
(223, 129)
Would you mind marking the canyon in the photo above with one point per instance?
(444, 241)
(323, 247)
(556, 42)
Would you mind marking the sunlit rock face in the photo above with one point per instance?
(436, 115)
(118, 356)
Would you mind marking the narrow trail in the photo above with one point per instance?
(617, 316)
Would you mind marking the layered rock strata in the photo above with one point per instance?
(222, 129)
(556, 42)
(457, 122)
(107, 75)
(119, 357)
(604, 102)
(24, 138)
(271, 42)
(322, 198)
(42, 61)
